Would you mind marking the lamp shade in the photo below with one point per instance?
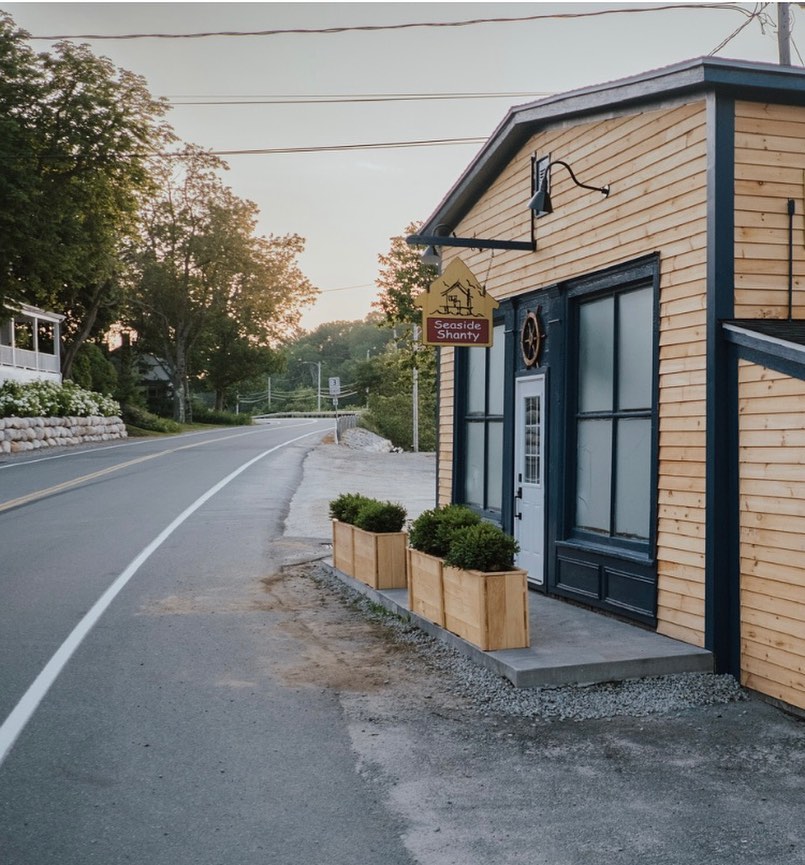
(541, 199)
(431, 257)
(541, 202)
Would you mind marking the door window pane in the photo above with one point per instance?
(531, 440)
(633, 478)
(593, 475)
(476, 380)
(497, 355)
(596, 351)
(474, 469)
(635, 341)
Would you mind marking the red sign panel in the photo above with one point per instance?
(445, 330)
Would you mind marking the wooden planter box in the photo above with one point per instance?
(343, 548)
(425, 589)
(379, 558)
(488, 610)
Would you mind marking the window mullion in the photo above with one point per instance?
(613, 468)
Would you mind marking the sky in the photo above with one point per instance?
(349, 203)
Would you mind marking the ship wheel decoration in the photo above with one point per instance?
(531, 339)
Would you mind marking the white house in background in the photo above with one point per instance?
(30, 345)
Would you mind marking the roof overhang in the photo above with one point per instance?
(751, 81)
(780, 338)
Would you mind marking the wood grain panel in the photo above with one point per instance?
(772, 525)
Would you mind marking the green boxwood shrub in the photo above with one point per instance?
(345, 507)
(432, 531)
(141, 418)
(220, 418)
(482, 547)
(376, 516)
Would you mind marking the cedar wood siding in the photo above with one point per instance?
(772, 525)
(656, 163)
(769, 169)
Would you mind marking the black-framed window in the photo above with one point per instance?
(481, 469)
(614, 424)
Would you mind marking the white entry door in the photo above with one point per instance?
(529, 476)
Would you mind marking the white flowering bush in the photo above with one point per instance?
(47, 399)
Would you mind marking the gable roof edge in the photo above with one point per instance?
(521, 122)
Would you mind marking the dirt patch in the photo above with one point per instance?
(339, 648)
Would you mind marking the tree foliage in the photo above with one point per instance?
(211, 297)
(401, 278)
(343, 349)
(76, 137)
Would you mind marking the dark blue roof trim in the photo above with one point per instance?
(741, 79)
(773, 339)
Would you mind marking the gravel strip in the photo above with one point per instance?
(489, 692)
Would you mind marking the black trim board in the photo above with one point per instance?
(756, 342)
(722, 542)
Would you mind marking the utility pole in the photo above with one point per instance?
(415, 392)
(784, 33)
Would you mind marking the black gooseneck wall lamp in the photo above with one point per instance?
(540, 203)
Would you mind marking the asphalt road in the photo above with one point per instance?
(157, 737)
(226, 709)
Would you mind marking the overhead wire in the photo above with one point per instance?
(374, 28)
(758, 13)
(336, 148)
(752, 15)
(338, 99)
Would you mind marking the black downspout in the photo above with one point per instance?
(791, 211)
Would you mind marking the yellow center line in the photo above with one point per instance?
(75, 482)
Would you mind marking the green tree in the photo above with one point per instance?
(260, 310)
(20, 89)
(93, 370)
(210, 294)
(342, 349)
(401, 278)
(409, 376)
(79, 134)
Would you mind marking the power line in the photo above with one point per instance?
(373, 28)
(347, 288)
(324, 148)
(340, 100)
(758, 13)
(338, 148)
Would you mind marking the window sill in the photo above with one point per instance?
(614, 552)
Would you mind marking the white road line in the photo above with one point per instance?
(22, 712)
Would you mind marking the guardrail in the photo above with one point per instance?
(343, 420)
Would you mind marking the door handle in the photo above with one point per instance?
(519, 493)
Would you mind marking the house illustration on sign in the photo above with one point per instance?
(458, 300)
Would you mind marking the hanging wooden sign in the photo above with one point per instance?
(456, 309)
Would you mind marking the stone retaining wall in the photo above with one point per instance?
(32, 433)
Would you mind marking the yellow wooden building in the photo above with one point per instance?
(639, 421)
